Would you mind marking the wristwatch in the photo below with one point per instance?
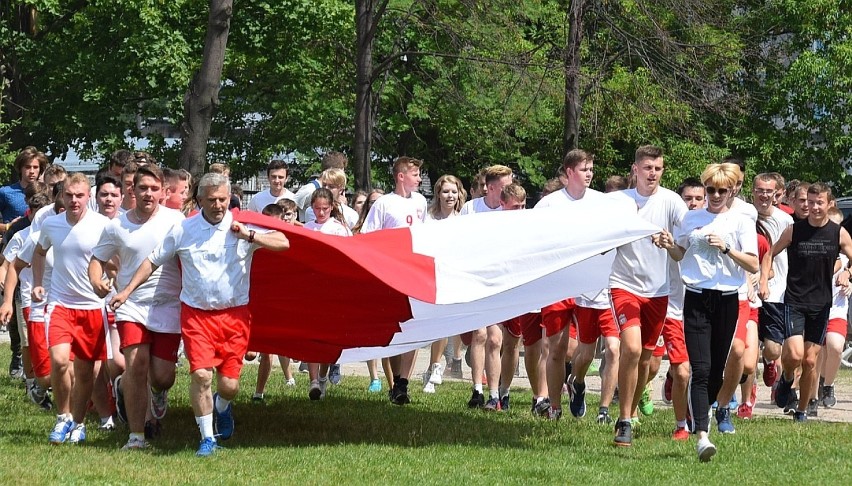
(727, 249)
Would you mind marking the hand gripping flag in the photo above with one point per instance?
(336, 299)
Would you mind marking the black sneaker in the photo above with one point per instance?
(783, 392)
(828, 399)
(400, 392)
(541, 407)
(623, 433)
(492, 405)
(120, 408)
(800, 417)
(603, 416)
(813, 408)
(792, 406)
(578, 399)
(477, 400)
(505, 403)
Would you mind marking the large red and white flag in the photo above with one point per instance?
(334, 299)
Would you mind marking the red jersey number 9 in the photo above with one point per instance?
(409, 219)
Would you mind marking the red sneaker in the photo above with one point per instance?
(680, 433)
(667, 389)
(770, 373)
(744, 411)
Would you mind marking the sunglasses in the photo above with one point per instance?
(722, 191)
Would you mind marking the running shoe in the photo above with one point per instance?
(224, 421)
(429, 388)
(456, 368)
(61, 429)
(477, 400)
(646, 405)
(207, 448)
(667, 389)
(135, 444)
(813, 408)
(257, 398)
(290, 382)
(375, 386)
(792, 406)
(504, 403)
(554, 413)
(315, 393)
(47, 403)
(828, 399)
(784, 392)
(159, 403)
(436, 377)
(745, 411)
(723, 421)
(120, 408)
(770, 373)
(400, 395)
(680, 433)
(541, 407)
(77, 435)
(623, 433)
(492, 405)
(303, 367)
(107, 425)
(706, 450)
(800, 416)
(603, 416)
(334, 375)
(577, 391)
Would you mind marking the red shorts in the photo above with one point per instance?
(753, 314)
(83, 329)
(646, 312)
(836, 325)
(162, 345)
(527, 326)
(593, 323)
(743, 312)
(673, 342)
(216, 338)
(39, 354)
(556, 317)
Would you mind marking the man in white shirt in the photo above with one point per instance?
(75, 318)
(639, 284)
(486, 342)
(403, 207)
(215, 254)
(276, 173)
(149, 322)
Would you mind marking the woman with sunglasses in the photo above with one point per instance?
(716, 247)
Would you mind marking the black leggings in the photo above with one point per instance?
(709, 322)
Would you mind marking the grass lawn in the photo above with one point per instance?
(353, 437)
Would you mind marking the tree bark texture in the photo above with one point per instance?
(202, 97)
(364, 33)
(573, 105)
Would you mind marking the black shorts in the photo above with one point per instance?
(810, 323)
(773, 322)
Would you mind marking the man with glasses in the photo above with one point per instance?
(276, 172)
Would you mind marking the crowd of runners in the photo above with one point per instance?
(104, 285)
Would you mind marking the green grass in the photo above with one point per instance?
(353, 437)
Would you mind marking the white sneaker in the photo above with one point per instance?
(78, 434)
(706, 450)
(135, 444)
(107, 425)
(291, 382)
(429, 388)
(437, 376)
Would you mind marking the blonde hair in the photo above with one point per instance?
(513, 192)
(496, 172)
(721, 175)
(435, 205)
(333, 177)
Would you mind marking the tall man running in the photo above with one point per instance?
(215, 254)
(149, 322)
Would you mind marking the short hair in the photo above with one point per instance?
(333, 177)
(801, 187)
(150, 171)
(287, 204)
(404, 164)
(687, 183)
(28, 154)
(53, 171)
(575, 157)
(647, 152)
(616, 182)
(721, 175)
(496, 172)
(107, 178)
(821, 188)
(58, 189)
(276, 164)
(273, 210)
(77, 178)
(120, 157)
(34, 188)
(144, 158)
(334, 160)
(513, 192)
(218, 168)
(37, 196)
(129, 168)
(779, 180)
(551, 186)
(212, 179)
(735, 159)
(170, 174)
(765, 177)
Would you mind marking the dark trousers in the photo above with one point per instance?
(709, 322)
(14, 335)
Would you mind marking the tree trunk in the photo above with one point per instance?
(572, 75)
(362, 148)
(202, 97)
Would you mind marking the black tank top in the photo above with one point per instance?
(811, 256)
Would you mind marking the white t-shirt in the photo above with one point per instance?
(330, 227)
(215, 264)
(265, 198)
(349, 215)
(70, 286)
(738, 206)
(676, 294)
(26, 256)
(478, 206)
(640, 267)
(155, 303)
(25, 278)
(395, 211)
(705, 267)
(840, 302)
(561, 198)
(303, 198)
(42, 214)
(775, 224)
